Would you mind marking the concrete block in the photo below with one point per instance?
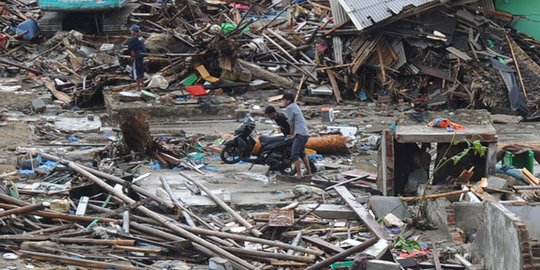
(497, 182)
(381, 206)
(218, 263)
(38, 105)
(382, 265)
(71, 125)
(47, 98)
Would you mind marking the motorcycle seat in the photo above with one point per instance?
(265, 140)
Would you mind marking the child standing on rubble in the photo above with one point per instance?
(137, 49)
(299, 133)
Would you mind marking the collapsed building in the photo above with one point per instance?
(138, 183)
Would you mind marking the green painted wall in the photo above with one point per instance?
(529, 9)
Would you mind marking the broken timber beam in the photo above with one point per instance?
(266, 75)
(224, 206)
(363, 213)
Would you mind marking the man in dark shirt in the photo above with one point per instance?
(137, 49)
(278, 117)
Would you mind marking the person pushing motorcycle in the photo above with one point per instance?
(278, 117)
(299, 133)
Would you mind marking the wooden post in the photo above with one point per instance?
(299, 87)
(224, 206)
(333, 82)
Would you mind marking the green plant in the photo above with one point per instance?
(474, 147)
(404, 244)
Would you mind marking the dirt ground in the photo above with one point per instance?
(14, 134)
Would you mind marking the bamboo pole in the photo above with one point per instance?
(75, 261)
(517, 65)
(246, 238)
(67, 240)
(262, 254)
(51, 214)
(434, 196)
(121, 181)
(167, 222)
(224, 206)
(344, 254)
(22, 209)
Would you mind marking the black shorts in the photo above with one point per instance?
(138, 68)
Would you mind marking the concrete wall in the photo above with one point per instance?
(441, 212)
(529, 9)
(503, 242)
(470, 218)
(530, 215)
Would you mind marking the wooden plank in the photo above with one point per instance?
(329, 248)
(435, 254)
(459, 53)
(529, 177)
(335, 87)
(274, 98)
(57, 94)
(363, 213)
(434, 72)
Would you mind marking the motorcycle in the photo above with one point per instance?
(275, 151)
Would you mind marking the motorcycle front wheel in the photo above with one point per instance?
(230, 154)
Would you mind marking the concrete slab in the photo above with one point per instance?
(82, 124)
(381, 206)
(497, 182)
(221, 109)
(382, 265)
(244, 192)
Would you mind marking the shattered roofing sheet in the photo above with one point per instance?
(365, 13)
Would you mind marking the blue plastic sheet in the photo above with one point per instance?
(30, 27)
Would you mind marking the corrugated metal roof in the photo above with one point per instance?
(365, 13)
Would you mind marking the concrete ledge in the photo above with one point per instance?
(117, 110)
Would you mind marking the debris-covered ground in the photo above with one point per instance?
(422, 135)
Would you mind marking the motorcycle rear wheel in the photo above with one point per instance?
(230, 155)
